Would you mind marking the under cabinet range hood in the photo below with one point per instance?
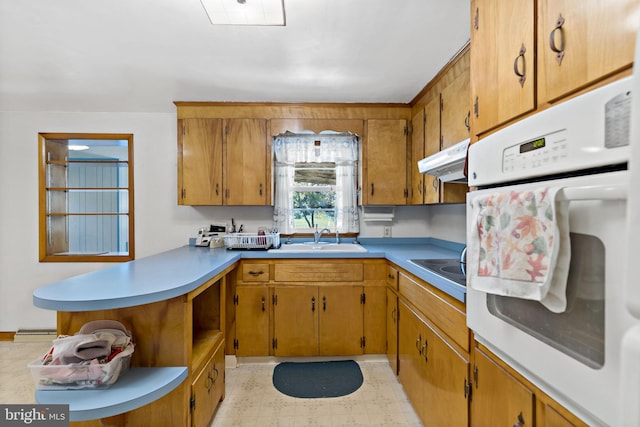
(447, 165)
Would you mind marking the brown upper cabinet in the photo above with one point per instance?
(223, 162)
(200, 161)
(224, 149)
(385, 162)
(578, 44)
(440, 119)
(502, 61)
(455, 109)
(417, 151)
(246, 164)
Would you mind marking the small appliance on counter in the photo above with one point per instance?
(211, 236)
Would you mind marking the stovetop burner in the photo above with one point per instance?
(451, 269)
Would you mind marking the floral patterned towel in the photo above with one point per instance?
(519, 243)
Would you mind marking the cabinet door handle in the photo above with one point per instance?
(418, 342)
(516, 69)
(372, 188)
(476, 18)
(324, 303)
(217, 189)
(466, 121)
(425, 347)
(393, 315)
(313, 303)
(256, 273)
(475, 375)
(434, 184)
(260, 190)
(520, 421)
(215, 370)
(210, 382)
(552, 39)
(262, 300)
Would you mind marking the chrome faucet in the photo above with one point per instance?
(317, 234)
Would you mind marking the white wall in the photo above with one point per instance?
(160, 224)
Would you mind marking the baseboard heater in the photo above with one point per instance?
(31, 335)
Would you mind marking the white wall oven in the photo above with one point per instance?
(546, 227)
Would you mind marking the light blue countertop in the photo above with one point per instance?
(181, 270)
(177, 272)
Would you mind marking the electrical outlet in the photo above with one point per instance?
(387, 231)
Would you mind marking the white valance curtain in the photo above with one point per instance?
(340, 148)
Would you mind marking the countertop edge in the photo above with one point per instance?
(119, 398)
(207, 263)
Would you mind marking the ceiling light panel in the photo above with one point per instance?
(245, 12)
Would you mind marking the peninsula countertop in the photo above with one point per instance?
(181, 270)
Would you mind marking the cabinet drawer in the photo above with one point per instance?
(450, 319)
(319, 272)
(255, 272)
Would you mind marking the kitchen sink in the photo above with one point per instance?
(451, 269)
(320, 247)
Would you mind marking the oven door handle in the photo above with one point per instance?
(593, 192)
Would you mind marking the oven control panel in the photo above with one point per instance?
(536, 153)
(586, 132)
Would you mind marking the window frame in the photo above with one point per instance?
(42, 198)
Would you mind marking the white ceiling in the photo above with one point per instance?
(141, 55)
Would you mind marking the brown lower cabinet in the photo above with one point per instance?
(433, 373)
(392, 329)
(317, 321)
(208, 388)
(498, 397)
(308, 308)
(332, 307)
(450, 379)
(501, 396)
(252, 320)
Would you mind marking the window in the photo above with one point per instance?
(314, 195)
(86, 197)
(316, 182)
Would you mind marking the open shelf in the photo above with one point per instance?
(136, 388)
(203, 346)
(206, 326)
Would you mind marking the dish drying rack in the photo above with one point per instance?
(248, 241)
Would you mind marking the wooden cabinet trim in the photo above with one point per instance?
(446, 316)
(392, 277)
(265, 110)
(316, 272)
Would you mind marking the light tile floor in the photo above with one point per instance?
(251, 399)
(16, 384)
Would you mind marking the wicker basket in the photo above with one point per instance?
(248, 241)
